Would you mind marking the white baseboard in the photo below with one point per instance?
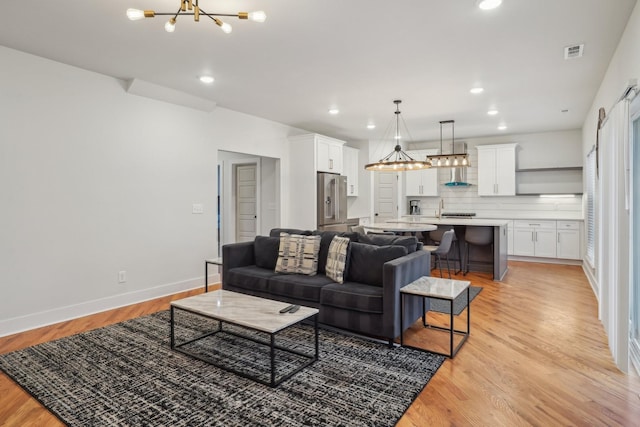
(589, 272)
(545, 260)
(44, 318)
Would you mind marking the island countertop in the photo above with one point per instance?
(484, 222)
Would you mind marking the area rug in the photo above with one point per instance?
(459, 303)
(127, 375)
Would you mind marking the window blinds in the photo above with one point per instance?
(590, 214)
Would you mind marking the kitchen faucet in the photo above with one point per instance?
(440, 208)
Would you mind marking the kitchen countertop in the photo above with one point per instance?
(523, 218)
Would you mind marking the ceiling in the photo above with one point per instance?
(356, 55)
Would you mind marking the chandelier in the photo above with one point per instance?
(452, 160)
(397, 160)
(192, 8)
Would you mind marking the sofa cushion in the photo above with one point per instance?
(298, 286)
(337, 258)
(366, 261)
(325, 242)
(409, 242)
(275, 232)
(266, 251)
(250, 277)
(353, 296)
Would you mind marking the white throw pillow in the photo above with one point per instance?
(298, 254)
(337, 258)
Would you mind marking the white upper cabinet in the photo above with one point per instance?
(328, 154)
(497, 170)
(350, 169)
(424, 182)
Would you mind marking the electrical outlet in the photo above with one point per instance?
(198, 208)
(122, 276)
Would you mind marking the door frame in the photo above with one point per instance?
(228, 197)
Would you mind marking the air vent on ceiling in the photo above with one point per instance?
(574, 51)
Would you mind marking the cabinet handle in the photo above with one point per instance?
(558, 237)
(330, 163)
(532, 237)
(351, 188)
(420, 189)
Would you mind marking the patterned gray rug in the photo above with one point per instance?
(126, 375)
(459, 303)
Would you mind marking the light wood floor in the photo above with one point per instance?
(537, 355)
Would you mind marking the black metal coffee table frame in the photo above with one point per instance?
(311, 358)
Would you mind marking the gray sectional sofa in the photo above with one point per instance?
(368, 302)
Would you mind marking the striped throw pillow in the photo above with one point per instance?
(337, 258)
(298, 254)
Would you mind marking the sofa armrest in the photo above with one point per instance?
(236, 255)
(396, 274)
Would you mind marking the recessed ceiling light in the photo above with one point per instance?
(333, 111)
(492, 112)
(207, 79)
(502, 127)
(476, 90)
(371, 126)
(489, 4)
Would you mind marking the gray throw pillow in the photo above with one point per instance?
(266, 251)
(366, 262)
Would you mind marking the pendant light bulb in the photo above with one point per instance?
(170, 26)
(135, 14)
(258, 16)
(226, 28)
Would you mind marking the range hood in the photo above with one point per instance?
(458, 176)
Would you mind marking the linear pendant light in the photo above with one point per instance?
(397, 160)
(453, 160)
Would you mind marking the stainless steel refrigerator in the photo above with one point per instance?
(332, 202)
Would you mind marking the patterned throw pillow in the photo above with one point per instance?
(337, 258)
(298, 254)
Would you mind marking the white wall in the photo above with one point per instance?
(611, 276)
(94, 180)
(535, 150)
(624, 65)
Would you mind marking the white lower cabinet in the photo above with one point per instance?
(568, 240)
(510, 238)
(534, 238)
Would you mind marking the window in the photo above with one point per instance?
(590, 214)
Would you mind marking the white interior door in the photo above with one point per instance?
(385, 196)
(246, 203)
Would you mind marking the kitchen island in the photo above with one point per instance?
(495, 260)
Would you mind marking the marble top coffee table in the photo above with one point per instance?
(253, 313)
(443, 289)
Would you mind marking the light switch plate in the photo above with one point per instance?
(198, 208)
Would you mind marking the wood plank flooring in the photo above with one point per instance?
(537, 355)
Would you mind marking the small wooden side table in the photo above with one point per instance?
(442, 289)
(216, 261)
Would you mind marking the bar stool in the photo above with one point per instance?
(442, 250)
(435, 237)
(478, 236)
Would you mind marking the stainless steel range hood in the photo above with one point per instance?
(458, 176)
